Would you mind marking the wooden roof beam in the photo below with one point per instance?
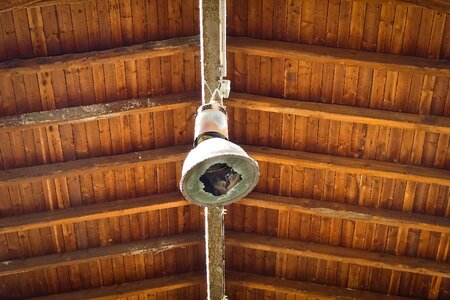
(339, 254)
(128, 289)
(234, 45)
(334, 112)
(81, 114)
(170, 200)
(266, 154)
(145, 50)
(342, 56)
(340, 113)
(349, 165)
(300, 288)
(438, 5)
(19, 4)
(348, 212)
(91, 254)
(78, 167)
(91, 212)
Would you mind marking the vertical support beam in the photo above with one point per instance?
(214, 235)
(213, 61)
(212, 46)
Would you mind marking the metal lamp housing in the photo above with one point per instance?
(212, 152)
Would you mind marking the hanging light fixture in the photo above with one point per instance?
(216, 172)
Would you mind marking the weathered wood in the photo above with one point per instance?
(263, 154)
(18, 4)
(149, 157)
(11, 4)
(91, 212)
(340, 113)
(438, 5)
(349, 212)
(349, 165)
(339, 254)
(155, 285)
(91, 254)
(237, 100)
(311, 290)
(99, 111)
(140, 51)
(338, 56)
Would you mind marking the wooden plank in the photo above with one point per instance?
(338, 56)
(299, 288)
(349, 165)
(82, 114)
(128, 289)
(338, 254)
(92, 212)
(438, 5)
(105, 163)
(339, 113)
(93, 254)
(19, 4)
(348, 212)
(146, 50)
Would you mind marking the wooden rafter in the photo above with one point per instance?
(438, 5)
(266, 154)
(330, 55)
(91, 212)
(149, 157)
(92, 254)
(18, 4)
(315, 291)
(128, 289)
(349, 165)
(341, 113)
(164, 201)
(145, 50)
(360, 115)
(348, 212)
(88, 113)
(234, 45)
(339, 254)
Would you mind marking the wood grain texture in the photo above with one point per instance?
(92, 212)
(299, 288)
(338, 56)
(129, 289)
(93, 254)
(348, 212)
(338, 254)
(145, 50)
(340, 113)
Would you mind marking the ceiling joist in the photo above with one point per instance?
(78, 167)
(340, 113)
(19, 4)
(334, 112)
(100, 111)
(139, 51)
(91, 212)
(339, 254)
(265, 154)
(128, 289)
(340, 56)
(349, 165)
(91, 254)
(236, 239)
(345, 211)
(245, 45)
(438, 5)
(311, 290)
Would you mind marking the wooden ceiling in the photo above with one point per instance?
(345, 105)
